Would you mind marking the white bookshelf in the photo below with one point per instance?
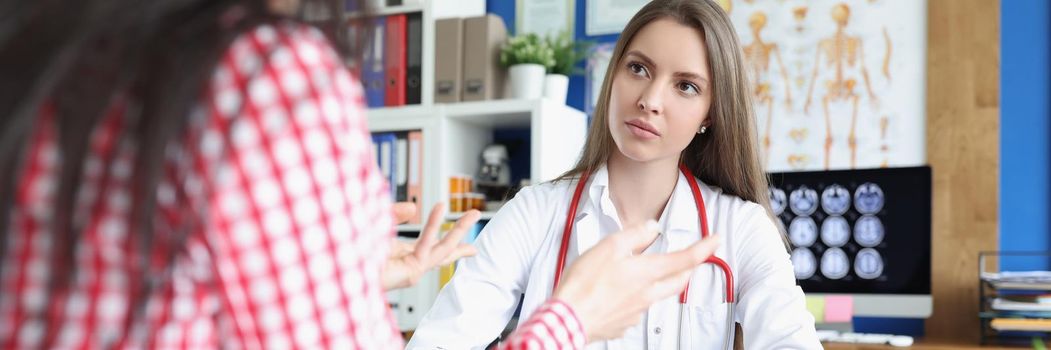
(453, 138)
(455, 134)
(556, 134)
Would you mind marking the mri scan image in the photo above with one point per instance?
(802, 232)
(778, 200)
(803, 201)
(868, 264)
(868, 231)
(868, 198)
(834, 263)
(835, 200)
(835, 231)
(804, 263)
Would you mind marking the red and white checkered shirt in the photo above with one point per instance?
(292, 221)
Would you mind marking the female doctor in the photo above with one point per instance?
(673, 140)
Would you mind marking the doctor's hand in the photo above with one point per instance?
(409, 261)
(609, 288)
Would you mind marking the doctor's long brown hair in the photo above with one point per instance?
(727, 155)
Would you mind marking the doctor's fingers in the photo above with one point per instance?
(452, 239)
(671, 264)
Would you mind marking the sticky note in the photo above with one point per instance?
(839, 308)
(816, 306)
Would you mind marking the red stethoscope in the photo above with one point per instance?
(702, 216)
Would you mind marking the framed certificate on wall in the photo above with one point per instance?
(610, 16)
(544, 17)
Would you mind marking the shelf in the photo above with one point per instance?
(490, 114)
(486, 215)
(388, 10)
(409, 228)
(1016, 286)
(506, 113)
(401, 111)
(437, 9)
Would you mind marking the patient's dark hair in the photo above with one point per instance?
(78, 55)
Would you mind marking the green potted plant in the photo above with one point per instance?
(528, 57)
(567, 53)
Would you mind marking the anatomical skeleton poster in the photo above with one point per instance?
(837, 84)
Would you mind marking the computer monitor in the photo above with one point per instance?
(864, 233)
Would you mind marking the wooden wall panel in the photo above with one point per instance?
(963, 145)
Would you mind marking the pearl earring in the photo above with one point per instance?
(703, 129)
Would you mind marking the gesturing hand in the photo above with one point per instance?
(609, 287)
(409, 261)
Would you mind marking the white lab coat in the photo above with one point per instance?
(518, 249)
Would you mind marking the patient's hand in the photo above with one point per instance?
(409, 261)
(609, 288)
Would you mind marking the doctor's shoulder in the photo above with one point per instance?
(741, 216)
(538, 204)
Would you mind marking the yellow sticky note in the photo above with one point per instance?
(816, 306)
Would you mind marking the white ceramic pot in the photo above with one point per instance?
(527, 81)
(556, 86)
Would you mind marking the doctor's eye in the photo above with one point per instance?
(638, 69)
(688, 88)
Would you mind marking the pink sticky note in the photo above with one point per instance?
(839, 308)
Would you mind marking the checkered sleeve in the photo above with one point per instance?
(301, 216)
(553, 326)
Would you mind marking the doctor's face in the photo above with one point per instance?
(661, 92)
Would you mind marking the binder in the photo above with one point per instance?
(376, 151)
(354, 31)
(372, 66)
(448, 58)
(413, 58)
(415, 183)
(395, 61)
(483, 78)
(350, 6)
(401, 168)
(387, 159)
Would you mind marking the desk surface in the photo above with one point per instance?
(917, 346)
